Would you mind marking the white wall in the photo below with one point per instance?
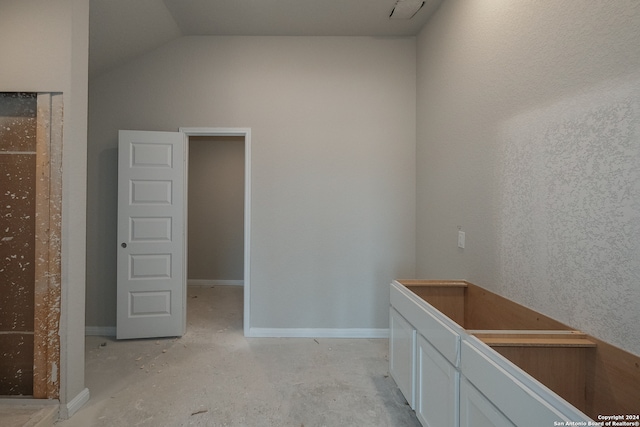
(216, 208)
(529, 139)
(333, 169)
(44, 47)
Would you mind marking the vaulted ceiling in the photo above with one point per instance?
(123, 29)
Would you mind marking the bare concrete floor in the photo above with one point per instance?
(13, 414)
(214, 376)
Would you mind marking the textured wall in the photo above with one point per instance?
(570, 211)
(528, 139)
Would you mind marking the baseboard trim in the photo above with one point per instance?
(318, 333)
(102, 331)
(110, 331)
(201, 282)
(67, 411)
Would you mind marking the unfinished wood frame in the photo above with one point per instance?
(18, 122)
(593, 375)
(448, 297)
(46, 363)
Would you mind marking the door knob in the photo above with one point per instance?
(124, 245)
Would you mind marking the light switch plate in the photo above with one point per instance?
(461, 239)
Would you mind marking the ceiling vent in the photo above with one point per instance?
(405, 9)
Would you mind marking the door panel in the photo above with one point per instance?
(402, 342)
(436, 388)
(151, 246)
(477, 411)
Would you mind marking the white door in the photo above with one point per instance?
(151, 243)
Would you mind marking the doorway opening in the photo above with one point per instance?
(219, 209)
(215, 218)
(153, 230)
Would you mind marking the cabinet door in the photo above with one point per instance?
(518, 396)
(436, 388)
(477, 411)
(402, 338)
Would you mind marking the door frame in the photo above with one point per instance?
(246, 133)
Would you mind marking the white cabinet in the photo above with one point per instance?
(477, 411)
(438, 329)
(402, 348)
(522, 399)
(451, 378)
(436, 388)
